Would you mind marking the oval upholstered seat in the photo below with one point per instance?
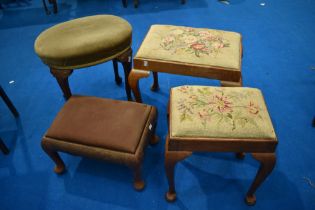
(84, 41)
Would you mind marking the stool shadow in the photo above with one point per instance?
(11, 138)
(103, 181)
(277, 190)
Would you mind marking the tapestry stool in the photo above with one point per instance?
(85, 42)
(219, 119)
(181, 50)
(104, 129)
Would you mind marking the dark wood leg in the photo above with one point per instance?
(154, 140)
(183, 1)
(127, 69)
(117, 77)
(136, 3)
(138, 183)
(55, 6)
(124, 2)
(60, 166)
(8, 102)
(171, 158)
(313, 122)
(134, 77)
(62, 79)
(267, 163)
(155, 85)
(3, 147)
(45, 7)
(126, 60)
(240, 155)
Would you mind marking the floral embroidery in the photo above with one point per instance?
(194, 41)
(236, 109)
(252, 108)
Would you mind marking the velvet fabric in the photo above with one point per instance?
(84, 41)
(104, 123)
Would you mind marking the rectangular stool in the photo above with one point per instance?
(105, 129)
(199, 52)
(219, 119)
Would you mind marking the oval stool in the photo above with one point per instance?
(85, 42)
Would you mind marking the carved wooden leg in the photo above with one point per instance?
(240, 155)
(60, 166)
(154, 140)
(45, 7)
(62, 79)
(134, 77)
(8, 102)
(155, 85)
(171, 158)
(54, 2)
(267, 163)
(138, 183)
(127, 69)
(3, 147)
(124, 2)
(136, 3)
(126, 60)
(117, 77)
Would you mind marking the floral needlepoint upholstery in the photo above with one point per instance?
(199, 46)
(219, 112)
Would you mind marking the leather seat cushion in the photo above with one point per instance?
(105, 123)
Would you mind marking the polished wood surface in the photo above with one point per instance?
(228, 77)
(134, 77)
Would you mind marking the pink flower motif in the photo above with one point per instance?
(183, 89)
(204, 33)
(218, 45)
(205, 49)
(204, 115)
(252, 108)
(198, 46)
(168, 39)
(222, 104)
(188, 29)
(190, 39)
(193, 97)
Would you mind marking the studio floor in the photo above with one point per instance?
(279, 59)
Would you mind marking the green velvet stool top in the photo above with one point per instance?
(84, 41)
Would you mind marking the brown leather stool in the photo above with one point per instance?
(105, 129)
